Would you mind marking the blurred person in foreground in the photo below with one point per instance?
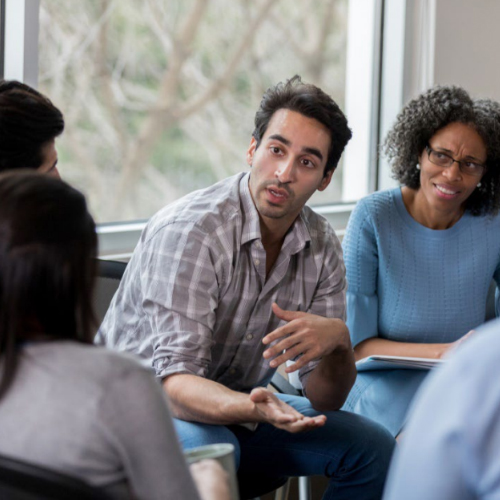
(451, 442)
(29, 125)
(66, 404)
(420, 257)
(230, 282)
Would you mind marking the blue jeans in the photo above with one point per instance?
(353, 451)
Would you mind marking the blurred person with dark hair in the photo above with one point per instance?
(29, 125)
(420, 257)
(66, 404)
(231, 282)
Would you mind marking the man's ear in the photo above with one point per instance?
(325, 181)
(251, 151)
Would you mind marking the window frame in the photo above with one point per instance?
(2, 36)
(20, 51)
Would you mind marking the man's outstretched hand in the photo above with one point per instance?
(306, 335)
(272, 410)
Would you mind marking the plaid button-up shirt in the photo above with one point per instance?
(195, 298)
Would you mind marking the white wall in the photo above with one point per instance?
(467, 45)
(452, 42)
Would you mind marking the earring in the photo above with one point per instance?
(479, 185)
(418, 166)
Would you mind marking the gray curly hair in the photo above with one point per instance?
(423, 116)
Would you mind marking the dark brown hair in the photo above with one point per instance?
(47, 249)
(28, 121)
(310, 101)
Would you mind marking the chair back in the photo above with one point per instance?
(20, 480)
(109, 274)
(283, 386)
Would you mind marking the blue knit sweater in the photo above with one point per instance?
(409, 283)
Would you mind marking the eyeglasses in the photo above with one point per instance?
(445, 161)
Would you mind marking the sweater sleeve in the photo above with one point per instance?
(136, 420)
(362, 262)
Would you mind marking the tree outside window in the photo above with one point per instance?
(159, 96)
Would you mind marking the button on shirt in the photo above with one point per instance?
(195, 299)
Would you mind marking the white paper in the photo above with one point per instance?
(381, 362)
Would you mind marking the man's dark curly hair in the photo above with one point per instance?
(310, 101)
(423, 116)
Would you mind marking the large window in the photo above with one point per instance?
(159, 96)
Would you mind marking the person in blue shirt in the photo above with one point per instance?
(451, 442)
(420, 258)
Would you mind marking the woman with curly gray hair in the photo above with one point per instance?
(420, 257)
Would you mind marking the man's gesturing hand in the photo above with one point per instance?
(306, 335)
(272, 410)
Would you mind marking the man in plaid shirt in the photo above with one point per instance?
(232, 281)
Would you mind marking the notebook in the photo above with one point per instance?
(381, 362)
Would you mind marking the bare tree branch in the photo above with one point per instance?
(167, 114)
(109, 100)
(159, 95)
(163, 33)
(151, 128)
(317, 55)
(220, 83)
